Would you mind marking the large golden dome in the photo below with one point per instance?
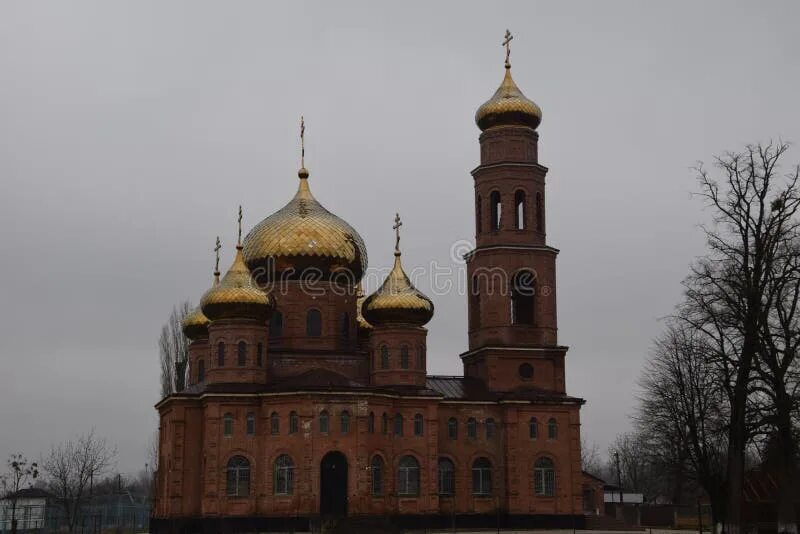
(305, 239)
(236, 296)
(397, 301)
(508, 107)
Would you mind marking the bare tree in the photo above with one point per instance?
(20, 474)
(590, 458)
(71, 467)
(683, 415)
(173, 348)
(754, 212)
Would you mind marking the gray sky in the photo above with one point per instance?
(130, 132)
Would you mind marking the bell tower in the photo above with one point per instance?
(512, 275)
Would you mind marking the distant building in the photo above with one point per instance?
(306, 402)
(34, 507)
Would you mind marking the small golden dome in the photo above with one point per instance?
(305, 238)
(236, 296)
(397, 301)
(195, 324)
(508, 107)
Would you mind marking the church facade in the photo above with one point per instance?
(305, 398)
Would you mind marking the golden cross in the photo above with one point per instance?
(239, 242)
(396, 228)
(507, 44)
(216, 251)
(302, 142)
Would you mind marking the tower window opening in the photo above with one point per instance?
(294, 422)
(241, 352)
(314, 323)
(384, 357)
(221, 354)
(276, 324)
(539, 213)
(371, 423)
(346, 325)
(478, 215)
(523, 289)
(490, 428)
(404, 357)
(421, 357)
(385, 423)
(552, 429)
(227, 425)
(452, 428)
(472, 428)
(260, 355)
(496, 207)
(519, 212)
(201, 370)
(250, 425)
(398, 425)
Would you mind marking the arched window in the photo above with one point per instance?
(490, 429)
(552, 429)
(371, 423)
(385, 423)
(344, 421)
(294, 422)
(238, 477)
(376, 467)
(496, 207)
(519, 211)
(475, 301)
(274, 424)
(398, 425)
(323, 422)
(421, 357)
(447, 477)
(544, 477)
(201, 370)
(539, 213)
(384, 357)
(260, 354)
(418, 424)
(241, 353)
(345, 325)
(478, 215)
(408, 476)
(221, 354)
(276, 324)
(452, 428)
(227, 425)
(250, 424)
(533, 428)
(472, 428)
(523, 288)
(314, 323)
(404, 357)
(482, 477)
(284, 475)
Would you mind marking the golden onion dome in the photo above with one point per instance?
(236, 296)
(305, 239)
(195, 325)
(397, 301)
(508, 107)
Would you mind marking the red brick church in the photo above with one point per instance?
(305, 399)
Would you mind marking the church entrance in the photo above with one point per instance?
(333, 485)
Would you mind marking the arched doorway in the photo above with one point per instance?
(333, 485)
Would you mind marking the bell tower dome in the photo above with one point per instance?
(512, 297)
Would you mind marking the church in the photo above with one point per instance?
(305, 399)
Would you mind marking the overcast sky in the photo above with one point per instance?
(131, 131)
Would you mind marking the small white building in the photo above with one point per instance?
(611, 495)
(32, 508)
